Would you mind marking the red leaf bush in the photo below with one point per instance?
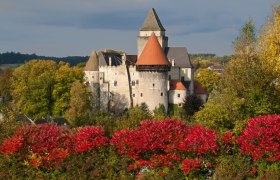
(88, 138)
(42, 145)
(261, 138)
(150, 137)
(200, 141)
(190, 165)
(165, 143)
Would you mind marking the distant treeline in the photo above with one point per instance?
(18, 58)
(202, 55)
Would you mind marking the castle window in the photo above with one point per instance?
(133, 95)
(153, 84)
(115, 83)
(141, 94)
(92, 76)
(161, 94)
(180, 105)
(133, 83)
(178, 95)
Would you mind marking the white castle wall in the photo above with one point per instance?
(153, 89)
(177, 96)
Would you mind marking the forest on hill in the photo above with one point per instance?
(198, 60)
(19, 58)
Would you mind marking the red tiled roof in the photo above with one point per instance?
(198, 89)
(152, 53)
(177, 85)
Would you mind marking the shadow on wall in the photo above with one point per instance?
(113, 102)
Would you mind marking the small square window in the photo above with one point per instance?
(180, 105)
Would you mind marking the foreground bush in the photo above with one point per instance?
(44, 145)
(164, 145)
(261, 138)
(166, 149)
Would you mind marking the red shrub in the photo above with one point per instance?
(150, 137)
(42, 145)
(200, 141)
(11, 145)
(190, 165)
(261, 138)
(88, 138)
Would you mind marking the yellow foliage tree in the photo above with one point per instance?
(269, 42)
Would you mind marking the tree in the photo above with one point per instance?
(63, 79)
(41, 88)
(159, 112)
(245, 44)
(208, 78)
(32, 86)
(192, 104)
(269, 44)
(5, 86)
(80, 106)
(246, 89)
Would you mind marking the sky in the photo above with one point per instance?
(76, 27)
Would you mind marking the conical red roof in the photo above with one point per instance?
(152, 53)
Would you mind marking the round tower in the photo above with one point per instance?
(153, 68)
(92, 77)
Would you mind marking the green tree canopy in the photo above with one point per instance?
(39, 87)
(246, 88)
(208, 78)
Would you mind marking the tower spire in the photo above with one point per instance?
(93, 62)
(152, 22)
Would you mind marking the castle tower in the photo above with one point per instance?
(153, 68)
(92, 77)
(151, 24)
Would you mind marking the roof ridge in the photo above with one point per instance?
(152, 22)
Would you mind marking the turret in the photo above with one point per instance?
(92, 77)
(153, 68)
(151, 25)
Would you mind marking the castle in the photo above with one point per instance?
(157, 75)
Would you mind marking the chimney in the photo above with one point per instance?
(123, 58)
(173, 62)
(110, 61)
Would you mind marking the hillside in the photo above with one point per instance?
(18, 58)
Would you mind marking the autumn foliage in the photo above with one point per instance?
(47, 145)
(154, 145)
(261, 138)
(85, 139)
